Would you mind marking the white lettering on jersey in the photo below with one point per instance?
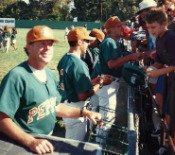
(42, 110)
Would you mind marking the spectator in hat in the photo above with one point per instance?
(29, 98)
(145, 45)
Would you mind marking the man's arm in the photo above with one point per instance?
(97, 83)
(162, 71)
(9, 128)
(115, 63)
(63, 110)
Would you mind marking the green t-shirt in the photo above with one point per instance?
(74, 77)
(29, 102)
(96, 64)
(110, 49)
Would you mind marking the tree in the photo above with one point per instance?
(36, 9)
(92, 10)
(3, 5)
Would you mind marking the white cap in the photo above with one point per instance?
(147, 4)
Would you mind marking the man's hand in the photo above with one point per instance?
(95, 117)
(107, 79)
(136, 56)
(41, 146)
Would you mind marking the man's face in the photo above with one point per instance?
(156, 29)
(117, 31)
(41, 51)
(169, 9)
(84, 45)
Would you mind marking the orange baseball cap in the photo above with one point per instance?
(79, 33)
(113, 22)
(39, 33)
(97, 34)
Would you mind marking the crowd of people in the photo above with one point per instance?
(8, 38)
(90, 75)
(157, 19)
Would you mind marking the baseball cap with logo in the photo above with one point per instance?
(113, 22)
(145, 4)
(79, 33)
(39, 33)
(97, 34)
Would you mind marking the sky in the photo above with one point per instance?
(27, 1)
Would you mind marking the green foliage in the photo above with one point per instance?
(84, 10)
(92, 10)
(3, 5)
(36, 9)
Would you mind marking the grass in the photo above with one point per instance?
(11, 59)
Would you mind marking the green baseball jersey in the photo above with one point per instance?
(74, 77)
(96, 64)
(29, 102)
(110, 49)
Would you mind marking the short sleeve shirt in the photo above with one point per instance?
(110, 49)
(165, 54)
(29, 102)
(96, 65)
(74, 77)
(165, 45)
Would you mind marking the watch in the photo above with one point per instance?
(81, 112)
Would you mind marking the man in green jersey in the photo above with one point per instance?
(29, 99)
(111, 62)
(75, 81)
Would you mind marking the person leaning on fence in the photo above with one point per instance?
(75, 82)
(111, 58)
(111, 62)
(168, 7)
(157, 22)
(29, 98)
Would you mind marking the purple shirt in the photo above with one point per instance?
(165, 49)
